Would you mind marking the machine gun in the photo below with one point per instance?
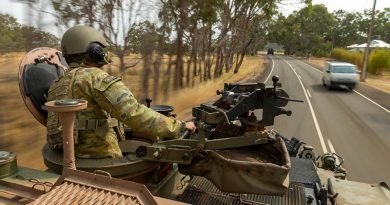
(231, 138)
(229, 122)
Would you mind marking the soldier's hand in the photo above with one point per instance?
(190, 126)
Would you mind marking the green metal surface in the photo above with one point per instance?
(8, 164)
(182, 151)
(127, 166)
(66, 102)
(28, 183)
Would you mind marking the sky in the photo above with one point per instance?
(334, 5)
(21, 11)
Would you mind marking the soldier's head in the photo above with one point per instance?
(84, 44)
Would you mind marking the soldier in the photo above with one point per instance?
(110, 103)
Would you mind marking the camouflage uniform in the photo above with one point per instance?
(107, 96)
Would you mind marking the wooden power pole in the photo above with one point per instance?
(367, 50)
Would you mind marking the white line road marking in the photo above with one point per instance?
(371, 101)
(322, 142)
(308, 93)
(299, 77)
(311, 67)
(270, 73)
(332, 150)
(365, 97)
(331, 146)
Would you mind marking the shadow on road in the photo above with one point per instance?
(322, 89)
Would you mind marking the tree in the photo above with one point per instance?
(143, 39)
(307, 31)
(113, 17)
(382, 25)
(347, 29)
(10, 37)
(14, 37)
(34, 38)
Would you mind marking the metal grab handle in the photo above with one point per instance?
(101, 173)
(34, 186)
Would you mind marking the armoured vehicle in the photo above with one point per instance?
(232, 159)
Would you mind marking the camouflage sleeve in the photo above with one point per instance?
(113, 96)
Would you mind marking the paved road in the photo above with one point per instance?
(354, 124)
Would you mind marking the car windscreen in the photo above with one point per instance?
(342, 69)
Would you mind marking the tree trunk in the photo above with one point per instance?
(221, 61)
(208, 63)
(188, 74)
(168, 75)
(194, 68)
(200, 69)
(217, 63)
(122, 64)
(146, 74)
(180, 45)
(156, 77)
(238, 64)
(229, 60)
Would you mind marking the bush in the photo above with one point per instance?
(354, 57)
(379, 61)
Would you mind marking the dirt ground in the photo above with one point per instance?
(22, 134)
(380, 82)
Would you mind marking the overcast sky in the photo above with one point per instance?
(20, 11)
(334, 5)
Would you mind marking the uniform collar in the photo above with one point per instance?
(74, 65)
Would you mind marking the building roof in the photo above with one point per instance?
(373, 44)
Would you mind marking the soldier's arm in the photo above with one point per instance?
(113, 96)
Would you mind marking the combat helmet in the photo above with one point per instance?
(77, 40)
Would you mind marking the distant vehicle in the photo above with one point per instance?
(339, 74)
(270, 51)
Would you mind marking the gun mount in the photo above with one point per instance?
(238, 100)
(229, 129)
(229, 122)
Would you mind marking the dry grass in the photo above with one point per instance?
(21, 133)
(380, 82)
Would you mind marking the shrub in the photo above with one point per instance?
(379, 61)
(354, 57)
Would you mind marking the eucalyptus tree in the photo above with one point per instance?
(113, 17)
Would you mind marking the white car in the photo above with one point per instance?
(339, 74)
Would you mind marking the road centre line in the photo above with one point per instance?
(299, 77)
(365, 97)
(272, 69)
(322, 142)
(308, 93)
